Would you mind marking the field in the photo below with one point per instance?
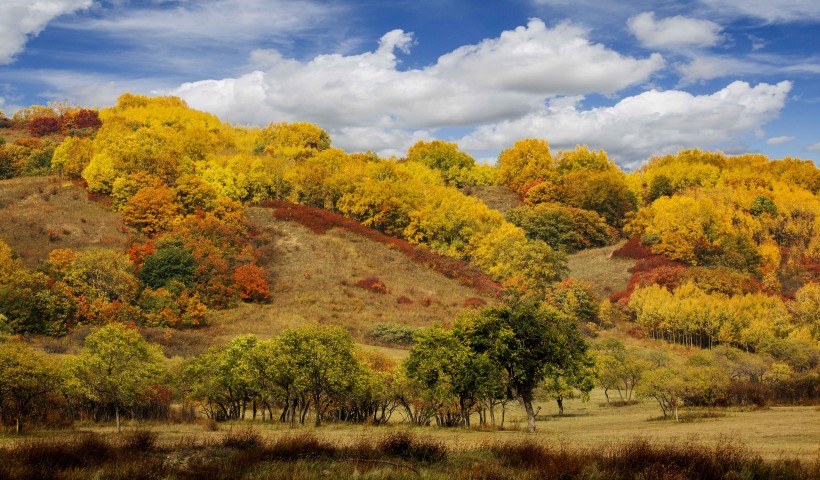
(620, 442)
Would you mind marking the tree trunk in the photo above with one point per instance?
(317, 408)
(560, 401)
(530, 413)
(117, 416)
(19, 426)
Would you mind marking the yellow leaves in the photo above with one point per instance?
(72, 156)
(527, 160)
(151, 210)
(294, 140)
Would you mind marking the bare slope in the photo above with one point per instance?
(597, 266)
(40, 214)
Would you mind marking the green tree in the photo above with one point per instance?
(116, 367)
(525, 339)
(171, 263)
(324, 361)
(447, 368)
(25, 376)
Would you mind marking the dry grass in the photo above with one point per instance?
(626, 443)
(497, 197)
(40, 214)
(608, 274)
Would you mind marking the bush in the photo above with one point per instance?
(42, 126)
(407, 446)
(392, 333)
(372, 284)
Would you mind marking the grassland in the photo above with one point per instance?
(40, 214)
(591, 441)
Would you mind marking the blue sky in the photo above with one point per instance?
(635, 78)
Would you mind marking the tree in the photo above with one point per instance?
(524, 339)
(561, 383)
(24, 377)
(447, 368)
(445, 157)
(151, 209)
(323, 359)
(116, 367)
(103, 274)
(170, 263)
(620, 369)
(527, 161)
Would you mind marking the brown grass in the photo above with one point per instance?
(39, 214)
(497, 197)
(321, 221)
(607, 272)
(396, 454)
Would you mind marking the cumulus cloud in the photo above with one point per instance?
(779, 140)
(773, 11)
(649, 123)
(22, 19)
(674, 32)
(504, 77)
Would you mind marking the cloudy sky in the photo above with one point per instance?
(635, 78)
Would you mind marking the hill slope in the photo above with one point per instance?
(40, 214)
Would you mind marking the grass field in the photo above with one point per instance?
(597, 266)
(40, 214)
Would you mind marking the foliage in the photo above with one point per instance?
(564, 228)
(116, 368)
(170, 264)
(524, 340)
(251, 283)
(25, 378)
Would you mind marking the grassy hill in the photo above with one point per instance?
(40, 214)
(315, 274)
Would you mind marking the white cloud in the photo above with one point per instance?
(22, 19)
(779, 140)
(773, 11)
(706, 66)
(814, 147)
(504, 77)
(674, 32)
(649, 123)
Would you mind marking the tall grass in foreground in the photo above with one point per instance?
(245, 454)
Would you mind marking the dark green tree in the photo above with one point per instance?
(525, 339)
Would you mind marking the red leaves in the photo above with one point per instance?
(251, 283)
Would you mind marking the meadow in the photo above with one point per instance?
(592, 440)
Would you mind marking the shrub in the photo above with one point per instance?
(242, 439)
(407, 446)
(42, 126)
(391, 333)
(372, 284)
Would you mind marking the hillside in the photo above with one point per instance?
(314, 275)
(39, 214)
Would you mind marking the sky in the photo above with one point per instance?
(637, 78)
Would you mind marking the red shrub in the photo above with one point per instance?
(372, 284)
(82, 118)
(633, 249)
(251, 283)
(42, 126)
(473, 302)
(404, 300)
